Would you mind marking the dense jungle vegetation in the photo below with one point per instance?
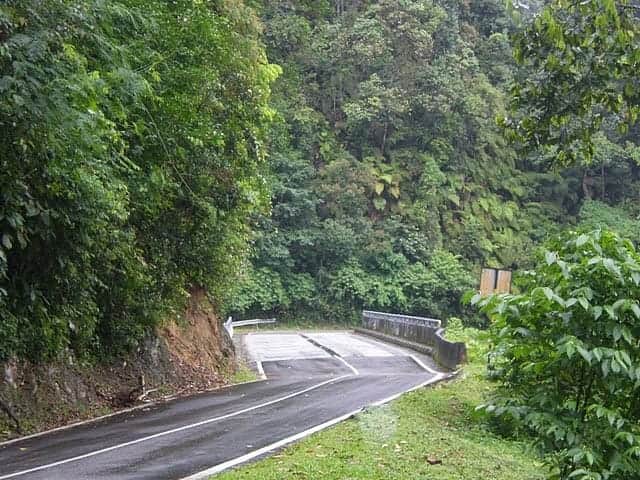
(132, 137)
(311, 158)
(392, 182)
(302, 158)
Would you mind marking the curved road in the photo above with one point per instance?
(312, 380)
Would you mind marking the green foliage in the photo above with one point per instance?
(585, 57)
(391, 181)
(262, 289)
(434, 289)
(597, 215)
(64, 201)
(567, 356)
(361, 288)
(386, 152)
(131, 138)
(134, 139)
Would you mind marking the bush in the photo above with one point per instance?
(567, 356)
(598, 215)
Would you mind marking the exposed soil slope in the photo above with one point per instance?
(182, 357)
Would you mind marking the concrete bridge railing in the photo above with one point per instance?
(425, 331)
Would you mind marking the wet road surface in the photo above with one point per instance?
(312, 380)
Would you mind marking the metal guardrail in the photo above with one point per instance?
(230, 324)
(254, 321)
(407, 319)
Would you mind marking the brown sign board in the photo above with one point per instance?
(493, 280)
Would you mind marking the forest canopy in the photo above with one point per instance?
(392, 182)
(132, 136)
(300, 158)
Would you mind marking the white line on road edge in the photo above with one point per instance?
(286, 359)
(436, 379)
(6, 443)
(299, 436)
(377, 342)
(425, 367)
(174, 430)
(351, 367)
(153, 404)
(261, 451)
(404, 353)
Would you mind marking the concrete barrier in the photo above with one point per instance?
(426, 331)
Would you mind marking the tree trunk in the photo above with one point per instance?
(586, 182)
(7, 409)
(384, 137)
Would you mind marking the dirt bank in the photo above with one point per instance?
(184, 357)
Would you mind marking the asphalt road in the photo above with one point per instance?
(312, 380)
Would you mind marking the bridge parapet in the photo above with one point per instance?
(422, 330)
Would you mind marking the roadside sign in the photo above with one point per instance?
(494, 280)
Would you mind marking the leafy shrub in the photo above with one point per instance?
(261, 290)
(598, 215)
(433, 290)
(436, 289)
(361, 288)
(567, 356)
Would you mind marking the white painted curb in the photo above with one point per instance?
(155, 403)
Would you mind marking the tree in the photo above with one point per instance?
(389, 142)
(580, 68)
(132, 154)
(566, 355)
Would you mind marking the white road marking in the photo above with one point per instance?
(435, 379)
(420, 363)
(285, 441)
(286, 359)
(372, 340)
(288, 349)
(152, 404)
(260, 369)
(425, 367)
(261, 451)
(353, 369)
(290, 346)
(331, 351)
(174, 430)
(348, 345)
(78, 424)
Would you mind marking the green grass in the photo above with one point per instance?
(243, 374)
(398, 441)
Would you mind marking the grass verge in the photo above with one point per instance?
(433, 433)
(243, 374)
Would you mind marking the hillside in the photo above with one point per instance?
(186, 355)
(166, 164)
(392, 182)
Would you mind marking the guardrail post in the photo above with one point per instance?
(228, 326)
